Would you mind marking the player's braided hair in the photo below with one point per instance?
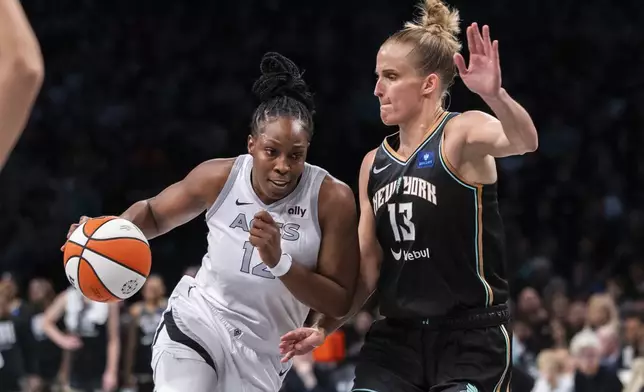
(282, 92)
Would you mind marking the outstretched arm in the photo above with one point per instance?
(180, 202)
(21, 74)
(512, 132)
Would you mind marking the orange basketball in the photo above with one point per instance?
(108, 259)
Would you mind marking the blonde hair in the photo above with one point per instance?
(434, 37)
(604, 302)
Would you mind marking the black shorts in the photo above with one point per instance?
(422, 356)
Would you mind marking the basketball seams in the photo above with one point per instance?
(98, 278)
(89, 236)
(82, 242)
(117, 262)
(117, 238)
(89, 239)
(78, 285)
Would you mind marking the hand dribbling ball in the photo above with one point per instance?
(107, 259)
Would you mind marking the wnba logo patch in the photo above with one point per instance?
(425, 159)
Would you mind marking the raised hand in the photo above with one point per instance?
(483, 74)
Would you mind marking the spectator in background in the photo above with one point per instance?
(41, 295)
(601, 311)
(13, 286)
(18, 365)
(636, 383)
(531, 311)
(590, 376)
(611, 356)
(92, 339)
(633, 339)
(553, 373)
(303, 378)
(145, 318)
(576, 318)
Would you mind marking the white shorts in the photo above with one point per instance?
(197, 350)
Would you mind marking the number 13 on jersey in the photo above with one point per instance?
(405, 231)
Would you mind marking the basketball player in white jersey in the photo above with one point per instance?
(21, 74)
(282, 240)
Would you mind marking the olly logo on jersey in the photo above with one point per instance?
(413, 186)
(425, 159)
(297, 210)
(410, 255)
(290, 231)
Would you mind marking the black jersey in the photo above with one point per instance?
(442, 238)
(148, 323)
(17, 352)
(49, 354)
(87, 320)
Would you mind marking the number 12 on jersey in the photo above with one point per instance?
(406, 230)
(260, 269)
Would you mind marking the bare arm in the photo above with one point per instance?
(181, 202)
(113, 340)
(513, 133)
(53, 313)
(21, 74)
(330, 289)
(130, 348)
(370, 253)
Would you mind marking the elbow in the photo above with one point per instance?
(48, 328)
(341, 309)
(531, 144)
(23, 74)
(29, 71)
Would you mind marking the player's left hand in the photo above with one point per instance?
(300, 341)
(483, 75)
(266, 237)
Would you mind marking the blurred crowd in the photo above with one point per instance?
(138, 93)
(57, 346)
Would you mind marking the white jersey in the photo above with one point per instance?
(232, 276)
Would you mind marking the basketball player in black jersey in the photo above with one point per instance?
(92, 340)
(431, 236)
(21, 74)
(146, 316)
(18, 362)
(41, 296)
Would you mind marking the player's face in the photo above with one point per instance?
(37, 290)
(153, 289)
(399, 87)
(279, 153)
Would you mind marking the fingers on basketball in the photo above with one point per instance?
(108, 259)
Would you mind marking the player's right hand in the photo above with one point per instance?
(73, 227)
(300, 341)
(71, 343)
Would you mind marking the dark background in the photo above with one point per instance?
(137, 93)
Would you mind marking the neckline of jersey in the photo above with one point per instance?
(426, 138)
